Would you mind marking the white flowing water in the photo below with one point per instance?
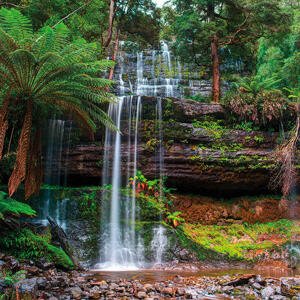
(154, 73)
(123, 248)
(57, 209)
(159, 243)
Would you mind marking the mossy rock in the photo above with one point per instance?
(11, 207)
(24, 244)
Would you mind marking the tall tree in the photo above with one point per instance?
(204, 26)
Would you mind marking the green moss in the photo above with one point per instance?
(259, 139)
(233, 147)
(150, 208)
(88, 205)
(9, 206)
(202, 253)
(214, 128)
(24, 244)
(236, 240)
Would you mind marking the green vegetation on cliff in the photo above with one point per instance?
(241, 241)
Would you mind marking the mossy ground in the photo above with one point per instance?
(241, 241)
(11, 207)
(24, 244)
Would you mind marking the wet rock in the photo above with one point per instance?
(45, 265)
(168, 291)
(141, 295)
(3, 285)
(95, 293)
(290, 287)
(32, 270)
(76, 292)
(42, 283)
(180, 291)
(28, 286)
(256, 285)
(149, 287)
(267, 292)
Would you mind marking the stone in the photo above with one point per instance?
(14, 264)
(290, 286)
(267, 292)
(256, 285)
(113, 286)
(33, 270)
(141, 295)
(45, 265)
(149, 287)
(168, 291)
(42, 283)
(181, 291)
(95, 293)
(3, 285)
(28, 286)
(76, 292)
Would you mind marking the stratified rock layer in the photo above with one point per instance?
(197, 158)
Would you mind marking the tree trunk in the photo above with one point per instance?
(114, 57)
(19, 171)
(3, 124)
(215, 70)
(10, 139)
(112, 13)
(33, 178)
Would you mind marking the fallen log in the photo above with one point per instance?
(59, 235)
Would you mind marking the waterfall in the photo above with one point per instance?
(122, 248)
(151, 84)
(166, 55)
(159, 243)
(160, 150)
(57, 209)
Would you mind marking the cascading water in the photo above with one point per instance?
(159, 243)
(154, 69)
(57, 209)
(123, 247)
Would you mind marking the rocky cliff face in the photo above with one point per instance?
(199, 154)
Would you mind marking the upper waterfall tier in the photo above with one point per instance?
(156, 73)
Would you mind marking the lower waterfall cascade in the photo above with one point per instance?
(123, 249)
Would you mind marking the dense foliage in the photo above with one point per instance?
(42, 73)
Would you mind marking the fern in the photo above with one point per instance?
(53, 73)
(16, 25)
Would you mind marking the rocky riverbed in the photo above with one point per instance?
(43, 281)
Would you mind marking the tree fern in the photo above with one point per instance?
(50, 72)
(16, 25)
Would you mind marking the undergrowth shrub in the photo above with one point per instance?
(263, 108)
